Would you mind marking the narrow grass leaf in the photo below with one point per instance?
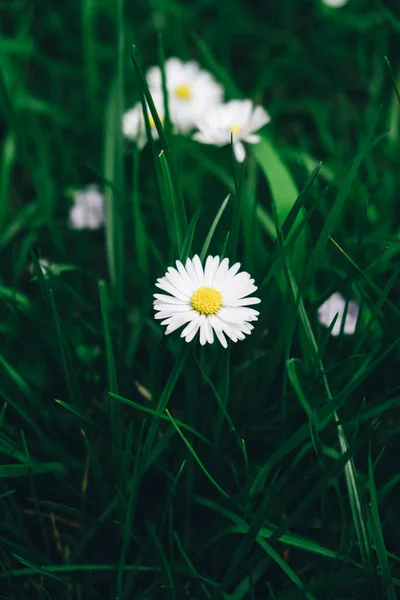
(213, 227)
(195, 456)
(377, 535)
(159, 415)
(115, 413)
(342, 195)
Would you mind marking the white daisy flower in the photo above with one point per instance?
(212, 300)
(133, 126)
(335, 3)
(191, 91)
(237, 118)
(335, 305)
(88, 209)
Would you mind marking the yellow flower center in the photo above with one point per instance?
(206, 300)
(183, 92)
(236, 128)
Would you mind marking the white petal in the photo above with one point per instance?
(176, 308)
(185, 276)
(252, 138)
(203, 325)
(164, 314)
(199, 269)
(221, 272)
(178, 321)
(230, 293)
(239, 151)
(163, 284)
(211, 266)
(207, 268)
(214, 268)
(190, 330)
(351, 318)
(167, 299)
(209, 331)
(221, 338)
(242, 302)
(217, 325)
(259, 118)
(176, 280)
(192, 273)
(238, 315)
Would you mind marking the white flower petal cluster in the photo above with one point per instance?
(335, 3)
(133, 125)
(335, 305)
(195, 101)
(191, 91)
(210, 300)
(87, 211)
(237, 120)
(47, 267)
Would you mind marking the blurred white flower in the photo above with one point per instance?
(87, 211)
(335, 3)
(133, 125)
(335, 305)
(191, 91)
(46, 266)
(211, 300)
(237, 118)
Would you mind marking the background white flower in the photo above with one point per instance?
(133, 126)
(335, 3)
(46, 266)
(191, 91)
(87, 211)
(237, 118)
(335, 305)
(212, 300)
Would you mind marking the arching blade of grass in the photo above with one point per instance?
(8, 156)
(89, 49)
(221, 74)
(171, 214)
(195, 456)
(284, 194)
(159, 415)
(56, 468)
(242, 527)
(180, 204)
(351, 476)
(213, 227)
(377, 535)
(133, 489)
(291, 230)
(113, 194)
(115, 413)
(188, 241)
(164, 399)
(191, 565)
(139, 227)
(344, 189)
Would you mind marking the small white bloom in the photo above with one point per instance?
(335, 3)
(191, 91)
(237, 118)
(335, 305)
(213, 299)
(87, 211)
(46, 266)
(133, 125)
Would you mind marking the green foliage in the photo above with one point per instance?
(133, 465)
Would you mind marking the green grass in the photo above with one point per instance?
(133, 465)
